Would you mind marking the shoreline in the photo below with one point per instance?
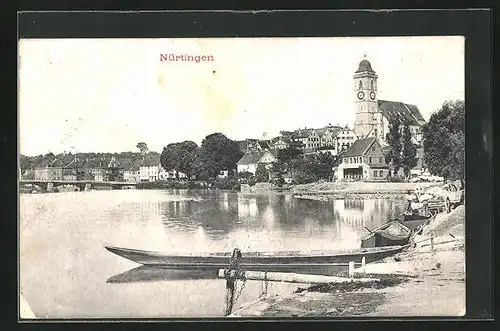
(412, 282)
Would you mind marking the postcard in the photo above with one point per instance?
(241, 177)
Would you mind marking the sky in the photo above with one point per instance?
(106, 95)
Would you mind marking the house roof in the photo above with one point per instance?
(321, 132)
(401, 110)
(75, 163)
(253, 157)
(264, 144)
(334, 130)
(359, 147)
(286, 133)
(93, 163)
(304, 133)
(151, 161)
(43, 164)
(127, 164)
(54, 163)
(285, 139)
(135, 166)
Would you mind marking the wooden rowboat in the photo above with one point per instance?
(305, 262)
(389, 234)
(414, 221)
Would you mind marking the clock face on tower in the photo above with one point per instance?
(372, 95)
(361, 95)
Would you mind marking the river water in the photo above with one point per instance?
(65, 271)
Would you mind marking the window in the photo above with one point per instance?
(360, 159)
(372, 84)
(373, 149)
(374, 173)
(370, 159)
(380, 160)
(381, 172)
(360, 85)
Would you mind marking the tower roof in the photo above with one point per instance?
(364, 65)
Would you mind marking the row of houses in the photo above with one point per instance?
(329, 139)
(364, 159)
(147, 170)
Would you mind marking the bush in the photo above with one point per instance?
(225, 183)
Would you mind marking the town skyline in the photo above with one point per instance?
(107, 104)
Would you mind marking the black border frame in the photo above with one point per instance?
(475, 25)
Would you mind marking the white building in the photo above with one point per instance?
(250, 161)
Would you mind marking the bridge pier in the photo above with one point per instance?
(88, 187)
(50, 187)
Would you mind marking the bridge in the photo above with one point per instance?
(50, 184)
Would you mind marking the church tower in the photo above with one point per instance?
(368, 121)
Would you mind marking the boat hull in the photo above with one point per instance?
(326, 262)
(379, 240)
(382, 236)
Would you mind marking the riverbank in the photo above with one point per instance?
(412, 283)
(356, 190)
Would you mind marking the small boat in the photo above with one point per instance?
(389, 234)
(292, 261)
(413, 221)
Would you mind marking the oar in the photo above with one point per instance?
(369, 230)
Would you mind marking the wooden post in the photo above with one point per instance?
(363, 265)
(351, 269)
(229, 295)
(432, 243)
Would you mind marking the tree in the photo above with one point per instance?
(324, 166)
(287, 154)
(245, 175)
(217, 153)
(304, 169)
(180, 157)
(278, 170)
(143, 147)
(409, 152)
(261, 173)
(393, 158)
(444, 141)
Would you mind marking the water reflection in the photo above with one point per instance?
(154, 274)
(218, 215)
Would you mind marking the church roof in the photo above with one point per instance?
(401, 110)
(364, 65)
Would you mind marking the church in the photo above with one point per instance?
(373, 115)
